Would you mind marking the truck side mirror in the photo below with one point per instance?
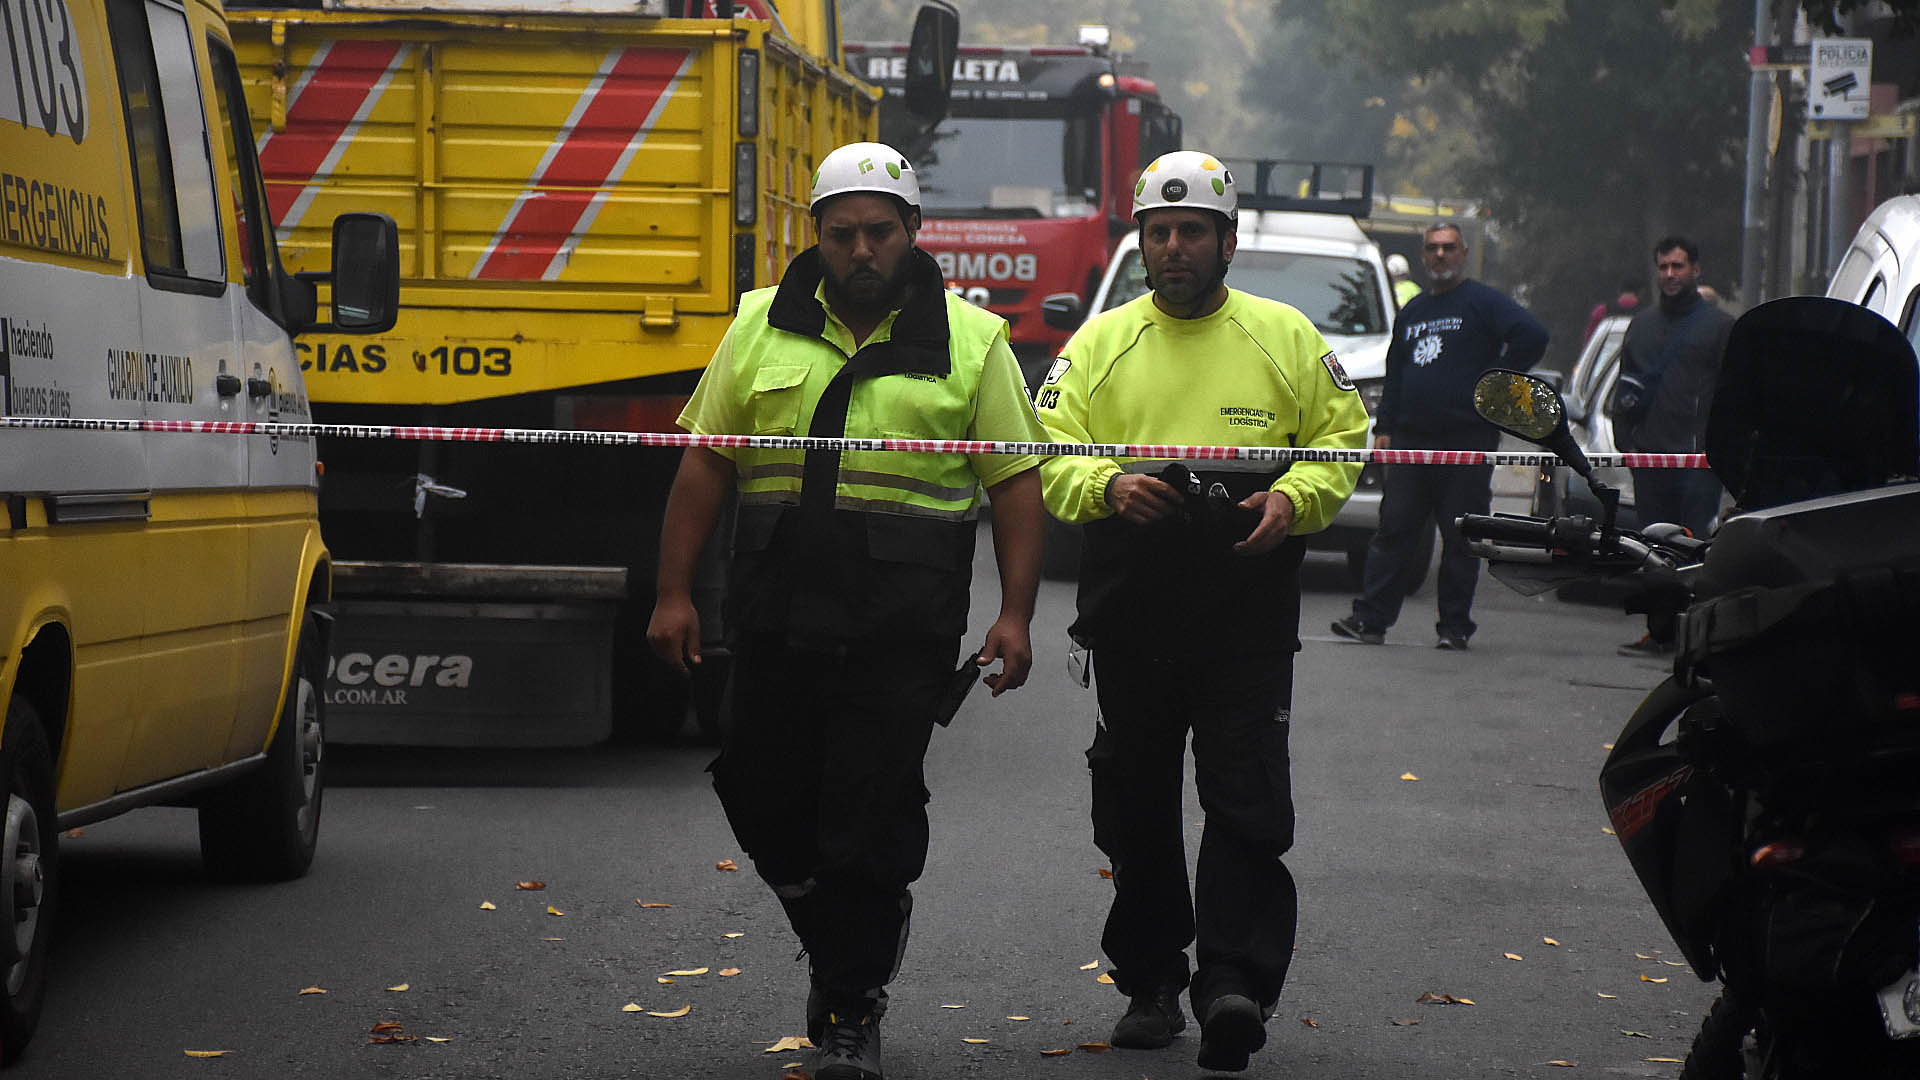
(365, 275)
(1062, 311)
(930, 54)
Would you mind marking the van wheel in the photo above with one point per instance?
(29, 874)
(265, 826)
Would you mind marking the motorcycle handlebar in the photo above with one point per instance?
(1575, 535)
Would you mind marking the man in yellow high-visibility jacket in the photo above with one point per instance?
(851, 571)
(1190, 601)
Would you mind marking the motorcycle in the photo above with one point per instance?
(1767, 792)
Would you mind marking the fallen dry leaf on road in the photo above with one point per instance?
(1431, 998)
(386, 1027)
(553, 939)
(689, 971)
(681, 1011)
(1549, 941)
(663, 980)
(726, 864)
(974, 1041)
(1562, 1064)
(400, 989)
(632, 1006)
(1606, 830)
(1651, 979)
(1095, 1047)
(208, 1053)
(1055, 1053)
(1635, 1034)
(438, 1039)
(1665, 1061)
(1612, 997)
(1408, 776)
(1105, 873)
(789, 1042)
(733, 934)
(1405, 1023)
(645, 903)
(1674, 963)
(1090, 967)
(953, 1006)
(312, 990)
(487, 905)
(1019, 1017)
(1104, 979)
(1310, 1022)
(1512, 956)
(394, 1039)
(1641, 956)
(554, 911)
(726, 972)
(794, 1073)
(531, 886)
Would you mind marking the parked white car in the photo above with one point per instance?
(1881, 269)
(1559, 491)
(1325, 266)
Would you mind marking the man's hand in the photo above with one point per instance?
(1276, 520)
(1141, 499)
(1007, 641)
(674, 632)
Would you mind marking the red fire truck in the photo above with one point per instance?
(1028, 182)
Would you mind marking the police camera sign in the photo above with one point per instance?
(1838, 79)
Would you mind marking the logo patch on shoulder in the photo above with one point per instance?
(1339, 373)
(1057, 371)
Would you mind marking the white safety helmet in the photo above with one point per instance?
(865, 166)
(1187, 179)
(1397, 265)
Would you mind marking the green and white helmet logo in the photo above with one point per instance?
(866, 166)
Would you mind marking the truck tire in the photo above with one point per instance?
(265, 825)
(29, 875)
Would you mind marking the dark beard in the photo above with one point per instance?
(865, 293)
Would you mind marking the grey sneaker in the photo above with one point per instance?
(1153, 1019)
(1452, 642)
(1232, 1029)
(1353, 629)
(849, 1049)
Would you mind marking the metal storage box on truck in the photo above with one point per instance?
(582, 196)
(158, 636)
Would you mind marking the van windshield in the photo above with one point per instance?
(1340, 294)
(1023, 167)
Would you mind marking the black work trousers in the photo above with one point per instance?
(822, 779)
(1409, 495)
(1244, 903)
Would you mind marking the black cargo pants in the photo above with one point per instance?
(1244, 904)
(822, 781)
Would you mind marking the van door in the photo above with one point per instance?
(195, 550)
(281, 503)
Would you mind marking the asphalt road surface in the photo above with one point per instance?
(1488, 878)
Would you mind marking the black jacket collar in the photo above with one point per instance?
(920, 334)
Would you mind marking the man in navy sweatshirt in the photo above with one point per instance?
(1442, 341)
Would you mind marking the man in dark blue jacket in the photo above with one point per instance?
(1442, 342)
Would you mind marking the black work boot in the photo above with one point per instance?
(849, 1048)
(1153, 1019)
(1232, 1029)
(816, 1014)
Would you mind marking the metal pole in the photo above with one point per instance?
(1759, 106)
(1839, 194)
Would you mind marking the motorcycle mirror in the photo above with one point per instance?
(1528, 407)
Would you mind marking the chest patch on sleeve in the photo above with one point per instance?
(1058, 371)
(1339, 373)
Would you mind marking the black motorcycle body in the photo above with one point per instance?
(1767, 795)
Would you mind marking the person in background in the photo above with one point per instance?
(1404, 287)
(1442, 341)
(1190, 603)
(851, 572)
(1675, 347)
(1625, 303)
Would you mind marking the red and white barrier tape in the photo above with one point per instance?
(554, 437)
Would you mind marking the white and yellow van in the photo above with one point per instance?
(159, 635)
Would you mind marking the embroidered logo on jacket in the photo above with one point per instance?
(1340, 377)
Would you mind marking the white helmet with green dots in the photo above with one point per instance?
(865, 166)
(1187, 179)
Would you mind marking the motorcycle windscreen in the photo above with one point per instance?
(1676, 823)
(1816, 397)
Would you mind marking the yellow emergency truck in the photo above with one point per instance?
(162, 634)
(583, 190)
